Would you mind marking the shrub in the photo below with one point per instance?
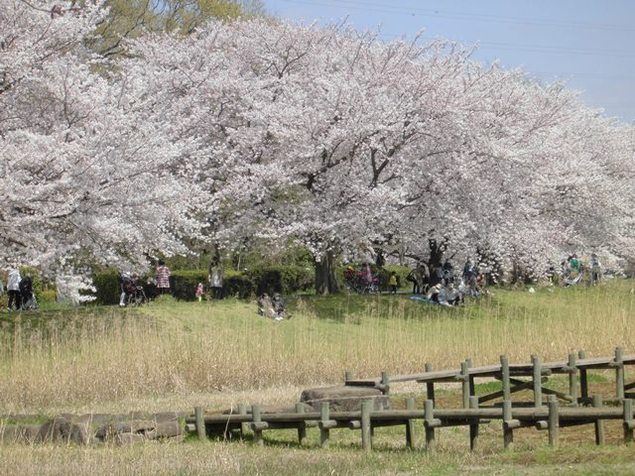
(238, 285)
(107, 284)
(270, 279)
(382, 273)
(47, 296)
(235, 284)
(183, 283)
(281, 279)
(402, 272)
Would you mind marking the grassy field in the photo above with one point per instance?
(175, 355)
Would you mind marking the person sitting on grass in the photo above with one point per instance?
(265, 306)
(445, 294)
(279, 309)
(272, 307)
(128, 287)
(434, 293)
(453, 295)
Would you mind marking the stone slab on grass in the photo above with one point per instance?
(344, 398)
(93, 428)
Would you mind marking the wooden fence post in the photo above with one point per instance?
(508, 425)
(410, 425)
(200, 423)
(553, 422)
(367, 442)
(299, 408)
(573, 379)
(584, 380)
(474, 425)
(629, 424)
(242, 410)
(505, 377)
(430, 423)
(465, 384)
(619, 373)
(471, 377)
(599, 424)
(256, 425)
(429, 385)
(385, 383)
(537, 380)
(324, 427)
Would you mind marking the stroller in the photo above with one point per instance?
(360, 281)
(132, 294)
(29, 303)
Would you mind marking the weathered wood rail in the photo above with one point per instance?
(550, 418)
(543, 414)
(576, 367)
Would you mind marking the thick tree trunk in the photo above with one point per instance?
(436, 254)
(325, 279)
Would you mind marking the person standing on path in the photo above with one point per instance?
(216, 280)
(596, 269)
(163, 278)
(200, 291)
(13, 289)
(415, 277)
(392, 283)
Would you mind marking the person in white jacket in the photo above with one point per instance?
(13, 289)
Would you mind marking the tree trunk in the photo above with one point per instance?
(325, 279)
(436, 254)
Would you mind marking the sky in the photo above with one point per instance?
(588, 44)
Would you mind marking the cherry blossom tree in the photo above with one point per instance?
(89, 167)
(295, 126)
(339, 141)
(324, 136)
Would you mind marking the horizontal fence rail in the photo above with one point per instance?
(559, 409)
(549, 418)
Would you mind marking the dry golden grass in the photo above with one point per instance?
(174, 356)
(281, 459)
(222, 353)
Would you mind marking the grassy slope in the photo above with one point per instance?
(94, 356)
(174, 355)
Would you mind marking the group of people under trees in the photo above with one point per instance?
(443, 285)
(573, 271)
(272, 307)
(133, 292)
(19, 291)
(435, 280)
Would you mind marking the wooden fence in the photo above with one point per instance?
(559, 409)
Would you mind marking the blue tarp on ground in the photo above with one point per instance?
(415, 297)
